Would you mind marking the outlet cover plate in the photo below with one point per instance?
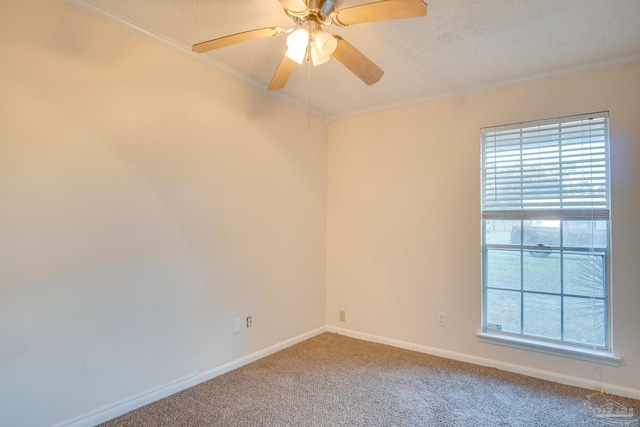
(442, 319)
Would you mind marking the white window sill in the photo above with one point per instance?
(590, 355)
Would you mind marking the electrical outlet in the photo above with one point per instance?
(442, 319)
(236, 326)
(343, 316)
(249, 321)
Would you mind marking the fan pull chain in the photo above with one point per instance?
(309, 95)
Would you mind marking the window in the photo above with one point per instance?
(545, 232)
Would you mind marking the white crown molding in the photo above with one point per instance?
(136, 28)
(186, 50)
(529, 78)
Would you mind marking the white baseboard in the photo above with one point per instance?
(509, 367)
(119, 408)
(122, 407)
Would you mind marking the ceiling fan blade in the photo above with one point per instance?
(237, 38)
(380, 11)
(296, 6)
(355, 61)
(282, 74)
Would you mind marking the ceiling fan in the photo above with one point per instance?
(307, 41)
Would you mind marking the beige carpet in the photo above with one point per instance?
(332, 380)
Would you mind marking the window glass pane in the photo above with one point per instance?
(541, 271)
(503, 269)
(584, 321)
(499, 232)
(546, 233)
(515, 235)
(585, 234)
(503, 310)
(584, 275)
(542, 315)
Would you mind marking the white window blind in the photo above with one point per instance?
(545, 201)
(550, 166)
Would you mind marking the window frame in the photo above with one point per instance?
(591, 352)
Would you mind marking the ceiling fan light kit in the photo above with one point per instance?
(312, 41)
(307, 41)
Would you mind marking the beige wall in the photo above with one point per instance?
(146, 201)
(404, 224)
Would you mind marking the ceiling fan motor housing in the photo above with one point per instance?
(322, 8)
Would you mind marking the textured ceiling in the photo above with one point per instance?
(460, 46)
